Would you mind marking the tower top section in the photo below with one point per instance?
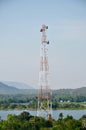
(44, 37)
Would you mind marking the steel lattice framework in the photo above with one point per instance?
(44, 94)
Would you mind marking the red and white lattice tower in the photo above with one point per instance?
(44, 93)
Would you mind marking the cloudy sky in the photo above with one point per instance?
(20, 39)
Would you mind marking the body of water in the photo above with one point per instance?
(75, 113)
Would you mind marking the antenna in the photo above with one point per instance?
(44, 93)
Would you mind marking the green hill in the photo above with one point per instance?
(7, 89)
(77, 91)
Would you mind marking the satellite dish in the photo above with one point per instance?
(46, 27)
(47, 42)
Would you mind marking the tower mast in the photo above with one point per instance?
(44, 93)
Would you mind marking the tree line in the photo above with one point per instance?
(25, 121)
(20, 98)
(30, 102)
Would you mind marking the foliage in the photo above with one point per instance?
(25, 121)
(30, 102)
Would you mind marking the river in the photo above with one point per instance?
(75, 113)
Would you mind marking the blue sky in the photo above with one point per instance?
(20, 39)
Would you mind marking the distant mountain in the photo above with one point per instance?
(5, 89)
(9, 89)
(18, 85)
(77, 91)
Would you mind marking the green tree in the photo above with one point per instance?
(61, 116)
(24, 116)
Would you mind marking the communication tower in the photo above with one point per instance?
(44, 92)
